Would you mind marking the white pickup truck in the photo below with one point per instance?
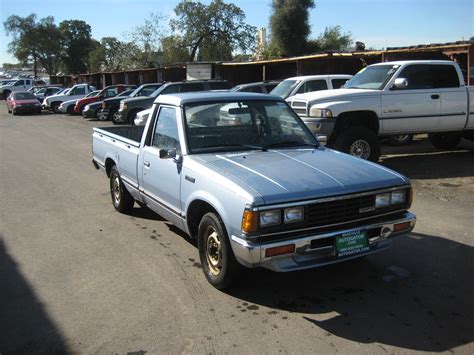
(76, 92)
(21, 84)
(391, 98)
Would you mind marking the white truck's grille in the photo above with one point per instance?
(300, 107)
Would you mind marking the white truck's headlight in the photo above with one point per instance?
(269, 218)
(293, 214)
(320, 113)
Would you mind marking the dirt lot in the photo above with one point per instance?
(76, 276)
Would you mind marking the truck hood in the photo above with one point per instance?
(338, 94)
(301, 174)
(139, 101)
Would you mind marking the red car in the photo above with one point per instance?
(22, 102)
(109, 91)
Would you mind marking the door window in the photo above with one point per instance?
(418, 77)
(81, 90)
(338, 83)
(165, 135)
(313, 85)
(445, 76)
(192, 87)
(20, 83)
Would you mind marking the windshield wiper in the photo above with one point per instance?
(290, 144)
(227, 145)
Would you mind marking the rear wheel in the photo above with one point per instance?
(217, 259)
(445, 140)
(400, 139)
(360, 142)
(121, 198)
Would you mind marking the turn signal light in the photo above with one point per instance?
(401, 227)
(285, 249)
(249, 221)
(410, 196)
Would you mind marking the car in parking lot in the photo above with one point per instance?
(23, 102)
(92, 110)
(130, 107)
(68, 106)
(109, 91)
(309, 83)
(262, 87)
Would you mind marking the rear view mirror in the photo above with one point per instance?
(400, 83)
(239, 111)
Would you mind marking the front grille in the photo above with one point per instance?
(332, 212)
(299, 107)
(300, 111)
(298, 104)
(332, 215)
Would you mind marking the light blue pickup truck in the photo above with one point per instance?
(242, 174)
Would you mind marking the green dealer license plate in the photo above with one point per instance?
(351, 243)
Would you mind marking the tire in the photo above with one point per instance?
(96, 114)
(6, 93)
(121, 198)
(70, 110)
(217, 259)
(445, 140)
(101, 116)
(55, 107)
(39, 112)
(400, 139)
(13, 112)
(113, 114)
(132, 115)
(359, 142)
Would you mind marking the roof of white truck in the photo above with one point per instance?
(403, 62)
(203, 96)
(330, 76)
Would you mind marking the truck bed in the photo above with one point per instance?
(128, 134)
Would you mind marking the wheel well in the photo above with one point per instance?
(196, 210)
(366, 119)
(54, 103)
(109, 164)
(132, 112)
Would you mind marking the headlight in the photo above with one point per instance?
(269, 218)
(382, 200)
(293, 214)
(87, 108)
(123, 106)
(398, 197)
(320, 113)
(393, 198)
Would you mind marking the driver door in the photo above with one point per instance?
(161, 166)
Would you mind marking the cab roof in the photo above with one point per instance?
(206, 96)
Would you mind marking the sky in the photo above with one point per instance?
(377, 23)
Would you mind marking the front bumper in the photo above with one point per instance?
(27, 109)
(90, 113)
(308, 254)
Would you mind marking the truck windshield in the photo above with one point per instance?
(284, 88)
(244, 125)
(374, 77)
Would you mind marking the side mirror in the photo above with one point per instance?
(168, 153)
(400, 83)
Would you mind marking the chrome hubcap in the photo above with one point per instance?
(116, 189)
(213, 252)
(360, 149)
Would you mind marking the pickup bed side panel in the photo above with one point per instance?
(454, 109)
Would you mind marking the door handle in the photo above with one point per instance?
(146, 163)
(435, 97)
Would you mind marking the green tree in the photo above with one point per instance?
(147, 39)
(289, 23)
(332, 39)
(25, 37)
(174, 50)
(213, 31)
(49, 45)
(76, 43)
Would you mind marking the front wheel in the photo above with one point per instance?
(445, 140)
(360, 142)
(121, 198)
(70, 110)
(113, 114)
(55, 107)
(217, 259)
